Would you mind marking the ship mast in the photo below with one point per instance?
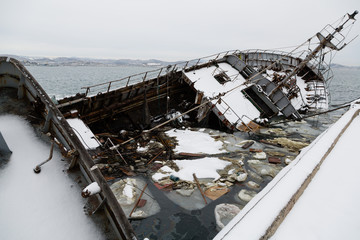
(324, 42)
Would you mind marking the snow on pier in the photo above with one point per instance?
(311, 187)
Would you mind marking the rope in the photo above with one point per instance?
(313, 115)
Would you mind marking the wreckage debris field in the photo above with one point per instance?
(221, 164)
(166, 167)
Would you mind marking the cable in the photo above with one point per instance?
(81, 137)
(312, 115)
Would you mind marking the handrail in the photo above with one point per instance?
(325, 71)
(148, 75)
(239, 118)
(323, 68)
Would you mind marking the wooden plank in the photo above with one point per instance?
(198, 185)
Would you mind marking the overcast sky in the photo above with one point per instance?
(166, 29)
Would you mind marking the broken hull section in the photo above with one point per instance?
(241, 94)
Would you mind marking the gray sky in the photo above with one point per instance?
(165, 29)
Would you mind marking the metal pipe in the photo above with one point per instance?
(37, 169)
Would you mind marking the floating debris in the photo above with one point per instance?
(216, 191)
(263, 168)
(252, 185)
(260, 155)
(246, 195)
(292, 145)
(274, 160)
(132, 193)
(224, 213)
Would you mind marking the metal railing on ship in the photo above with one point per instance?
(320, 68)
(153, 74)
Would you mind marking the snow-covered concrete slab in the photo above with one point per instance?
(269, 207)
(84, 133)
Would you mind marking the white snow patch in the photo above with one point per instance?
(128, 191)
(203, 168)
(166, 169)
(158, 176)
(83, 132)
(142, 149)
(195, 142)
(92, 188)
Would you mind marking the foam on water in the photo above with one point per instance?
(38, 206)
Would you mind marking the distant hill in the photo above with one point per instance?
(334, 65)
(74, 61)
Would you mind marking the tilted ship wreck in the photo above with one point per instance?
(237, 87)
(240, 88)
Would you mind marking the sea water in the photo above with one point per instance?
(64, 81)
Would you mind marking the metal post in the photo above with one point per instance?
(127, 83)
(145, 77)
(109, 86)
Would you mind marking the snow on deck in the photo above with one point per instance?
(38, 206)
(315, 215)
(84, 133)
(205, 82)
(195, 142)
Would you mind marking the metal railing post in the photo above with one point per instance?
(127, 83)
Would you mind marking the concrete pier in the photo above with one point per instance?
(296, 189)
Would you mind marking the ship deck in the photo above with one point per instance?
(40, 204)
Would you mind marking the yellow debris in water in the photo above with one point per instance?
(251, 126)
(289, 144)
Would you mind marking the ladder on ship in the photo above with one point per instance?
(263, 93)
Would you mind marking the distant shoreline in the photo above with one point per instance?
(75, 61)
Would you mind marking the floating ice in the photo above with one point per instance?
(195, 142)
